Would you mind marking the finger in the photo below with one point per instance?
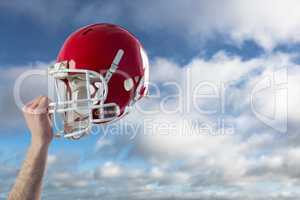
(51, 116)
(28, 110)
(36, 102)
(44, 102)
(29, 107)
(42, 106)
(28, 104)
(32, 102)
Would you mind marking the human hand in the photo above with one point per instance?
(38, 121)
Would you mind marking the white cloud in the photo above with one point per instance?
(51, 159)
(101, 143)
(67, 179)
(110, 170)
(282, 164)
(239, 160)
(267, 22)
(233, 162)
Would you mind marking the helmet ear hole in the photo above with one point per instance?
(128, 84)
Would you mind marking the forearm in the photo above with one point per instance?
(29, 181)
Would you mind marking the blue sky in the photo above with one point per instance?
(219, 43)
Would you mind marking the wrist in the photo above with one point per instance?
(40, 140)
(39, 145)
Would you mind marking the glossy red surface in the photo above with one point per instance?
(94, 47)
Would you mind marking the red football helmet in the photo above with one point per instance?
(101, 71)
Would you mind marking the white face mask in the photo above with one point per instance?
(77, 119)
(75, 97)
(78, 93)
(72, 105)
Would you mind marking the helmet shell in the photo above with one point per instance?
(94, 48)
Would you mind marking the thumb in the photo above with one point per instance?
(42, 106)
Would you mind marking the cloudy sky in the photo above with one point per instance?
(222, 117)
